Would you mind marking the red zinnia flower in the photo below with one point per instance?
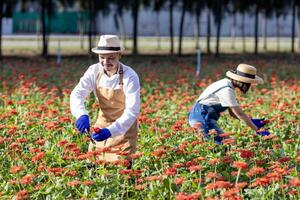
(254, 171)
(179, 181)
(153, 178)
(23, 194)
(74, 183)
(16, 169)
(139, 187)
(27, 179)
(218, 185)
(295, 182)
(195, 168)
(240, 165)
(38, 157)
(170, 171)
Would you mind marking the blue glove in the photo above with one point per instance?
(82, 123)
(101, 135)
(263, 133)
(258, 122)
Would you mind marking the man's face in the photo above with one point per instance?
(109, 61)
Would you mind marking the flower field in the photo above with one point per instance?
(44, 157)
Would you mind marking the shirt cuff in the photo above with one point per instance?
(80, 113)
(114, 131)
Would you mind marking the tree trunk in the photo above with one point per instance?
(81, 31)
(135, 13)
(265, 31)
(90, 24)
(44, 29)
(158, 30)
(278, 32)
(256, 29)
(208, 31)
(122, 28)
(219, 23)
(243, 32)
(233, 29)
(293, 26)
(1, 17)
(197, 28)
(181, 27)
(298, 10)
(171, 26)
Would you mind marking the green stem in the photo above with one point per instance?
(237, 177)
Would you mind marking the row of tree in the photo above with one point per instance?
(215, 8)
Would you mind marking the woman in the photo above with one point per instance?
(220, 96)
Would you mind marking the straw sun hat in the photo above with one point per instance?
(108, 44)
(244, 73)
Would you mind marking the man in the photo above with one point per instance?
(117, 89)
(219, 96)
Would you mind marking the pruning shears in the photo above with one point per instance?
(89, 135)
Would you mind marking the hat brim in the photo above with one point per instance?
(97, 51)
(244, 79)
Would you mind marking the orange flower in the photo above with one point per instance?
(179, 181)
(38, 157)
(218, 185)
(153, 178)
(16, 169)
(71, 173)
(262, 181)
(255, 170)
(185, 196)
(177, 165)
(239, 165)
(23, 194)
(62, 143)
(211, 175)
(214, 161)
(88, 183)
(27, 179)
(139, 187)
(40, 142)
(74, 183)
(294, 182)
(170, 171)
(194, 168)
(241, 185)
(230, 194)
(136, 155)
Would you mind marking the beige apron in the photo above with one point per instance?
(111, 107)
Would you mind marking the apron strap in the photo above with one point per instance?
(121, 73)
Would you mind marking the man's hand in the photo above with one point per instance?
(258, 122)
(101, 135)
(263, 133)
(82, 123)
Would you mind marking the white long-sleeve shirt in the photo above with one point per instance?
(131, 88)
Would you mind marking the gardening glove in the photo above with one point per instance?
(82, 123)
(263, 133)
(101, 135)
(258, 122)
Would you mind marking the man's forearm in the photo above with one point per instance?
(238, 112)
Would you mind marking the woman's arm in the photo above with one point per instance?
(232, 114)
(239, 113)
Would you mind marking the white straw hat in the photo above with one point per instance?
(245, 73)
(108, 44)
